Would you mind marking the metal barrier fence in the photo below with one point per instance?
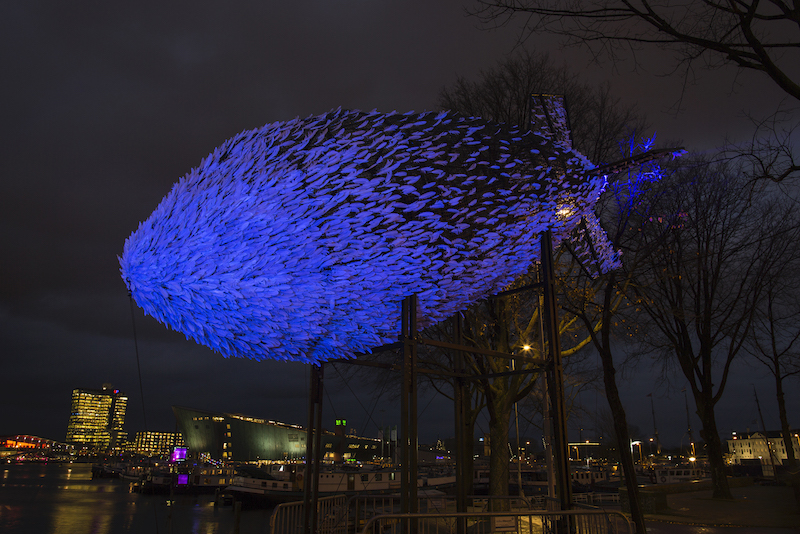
(437, 515)
(532, 522)
(595, 499)
(361, 508)
(287, 518)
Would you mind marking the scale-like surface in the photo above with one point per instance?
(299, 240)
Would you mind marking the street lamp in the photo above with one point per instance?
(639, 443)
(516, 422)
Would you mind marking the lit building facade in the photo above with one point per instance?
(22, 443)
(97, 418)
(757, 446)
(241, 438)
(157, 443)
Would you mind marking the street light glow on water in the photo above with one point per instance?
(49, 498)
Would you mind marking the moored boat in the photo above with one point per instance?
(676, 474)
(256, 485)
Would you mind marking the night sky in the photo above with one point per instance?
(105, 106)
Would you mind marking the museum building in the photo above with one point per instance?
(241, 438)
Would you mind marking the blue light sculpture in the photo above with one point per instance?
(298, 240)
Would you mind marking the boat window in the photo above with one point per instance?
(364, 478)
(672, 473)
(274, 484)
(378, 477)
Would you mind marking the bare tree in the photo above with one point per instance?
(597, 300)
(509, 325)
(597, 119)
(702, 280)
(769, 155)
(775, 341)
(598, 125)
(748, 35)
(754, 35)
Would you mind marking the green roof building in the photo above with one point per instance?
(241, 438)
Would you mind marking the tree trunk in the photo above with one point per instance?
(710, 434)
(623, 439)
(468, 454)
(791, 461)
(498, 459)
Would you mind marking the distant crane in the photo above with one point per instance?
(764, 427)
(655, 427)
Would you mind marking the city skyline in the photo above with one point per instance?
(672, 424)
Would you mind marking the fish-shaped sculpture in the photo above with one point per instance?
(298, 240)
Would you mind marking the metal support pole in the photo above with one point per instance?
(519, 447)
(408, 408)
(317, 446)
(555, 375)
(313, 451)
(463, 441)
(548, 444)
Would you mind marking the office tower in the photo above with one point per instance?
(97, 418)
(151, 443)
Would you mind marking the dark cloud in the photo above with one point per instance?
(104, 106)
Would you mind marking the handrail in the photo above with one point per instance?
(556, 515)
(359, 508)
(286, 515)
(529, 501)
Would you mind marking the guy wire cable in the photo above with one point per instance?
(138, 364)
(141, 389)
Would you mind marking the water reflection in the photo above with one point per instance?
(52, 499)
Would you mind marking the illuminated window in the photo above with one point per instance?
(97, 418)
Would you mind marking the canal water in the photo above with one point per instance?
(64, 499)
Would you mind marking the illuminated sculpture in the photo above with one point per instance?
(298, 240)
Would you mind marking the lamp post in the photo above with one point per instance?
(639, 444)
(516, 422)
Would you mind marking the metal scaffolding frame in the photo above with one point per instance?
(409, 341)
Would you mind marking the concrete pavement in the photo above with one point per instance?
(769, 507)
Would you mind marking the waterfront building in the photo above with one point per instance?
(237, 437)
(13, 446)
(24, 441)
(97, 418)
(156, 443)
(766, 448)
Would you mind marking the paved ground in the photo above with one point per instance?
(768, 509)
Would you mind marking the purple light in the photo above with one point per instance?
(183, 479)
(178, 454)
(298, 240)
